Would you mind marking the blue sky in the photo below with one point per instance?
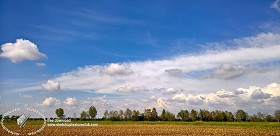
(119, 51)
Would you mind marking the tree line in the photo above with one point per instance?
(183, 115)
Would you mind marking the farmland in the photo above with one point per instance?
(159, 128)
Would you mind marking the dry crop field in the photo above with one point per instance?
(159, 129)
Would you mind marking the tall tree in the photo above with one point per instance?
(59, 113)
(154, 114)
(148, 114)
(106, 114)
(84, 115)
(183, 115)
(121, 114)
(277, 115)
(128, 114)
(163, 115)
(92, 112)
(241, 115)
(135, 115)
(170, 116)
(193, 115)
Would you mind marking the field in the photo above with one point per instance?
(157, 128)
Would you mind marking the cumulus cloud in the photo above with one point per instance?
(116, 69)
(51, 86)
(242, 98)
(161, 102)
(276, 5)
(51, 101)
(71, 101)
(25, 95)
(228, 71)
(21, 50)
(40, 64)
(259, 94)
(131, 88)
(225, 94)
(170, 91)
(174, 72)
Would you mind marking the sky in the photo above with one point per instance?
(120, 54)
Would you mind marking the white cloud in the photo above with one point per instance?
(51, 86)
(51, 101)
(40, 64)
(116, 69)
(0, 98)
(71, 101)
(229, 63)
(225, 94)
(170, 91)
(21, 50)
(25, 95)
(259, 94)
(130, 88)
(228, 71)
(161, 102)
(174, 72)
(276, 5)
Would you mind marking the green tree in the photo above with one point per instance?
(163, 115)
(241, 115)
(154, 115)
(170, 116)
(59, 113)
(84, 115)
(268, 118)
(106, 114)
(135, 115)
(92, 112)
(128, 114)
(230, 116)
(121, 114)
(183, 115)
(193, 115)
(148, 114)
(277, 115)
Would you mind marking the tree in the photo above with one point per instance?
(277, 115)
(121, 114)
(84, 115)
(135, 115)
(183, 115)
(170, 116)
(59, 113)
(1, 116)
(148, 114)
(163, 115)
(154, 114)
(128, 114)
(194, 115)
(204, 115)
(269, 118)
(106, 114)
(92, 112)
(230, 116)
(241, 115)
